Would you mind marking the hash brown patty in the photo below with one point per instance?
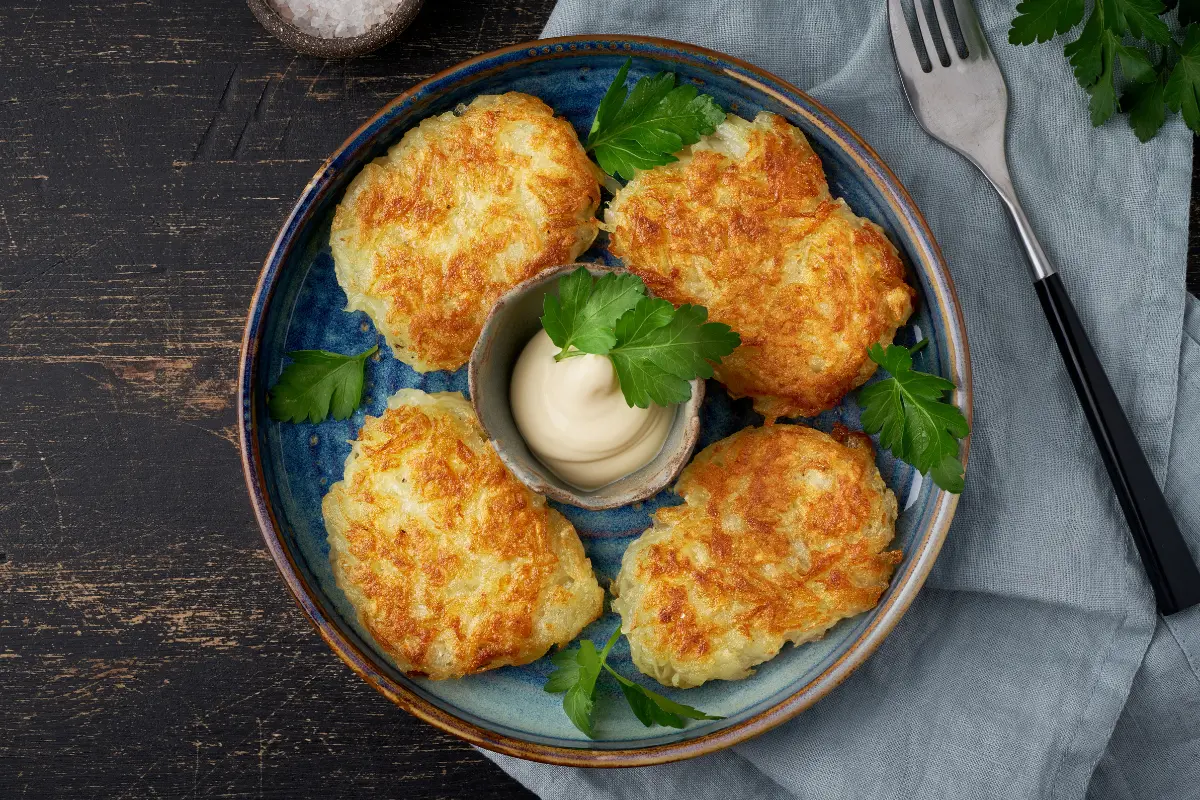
(452, 565)
(783, 532)
(744, 224)
(467, 205)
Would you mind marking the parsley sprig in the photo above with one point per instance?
(645, 127)
(656, 348)
(1160, 71)
(914, 420)
(316, 383)
(584, 316)
(578, 670)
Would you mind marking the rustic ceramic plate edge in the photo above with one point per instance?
(886, 615)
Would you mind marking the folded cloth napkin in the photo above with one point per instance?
(1033, 664)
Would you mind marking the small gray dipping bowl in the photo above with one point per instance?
(340, 47)
(511, 324)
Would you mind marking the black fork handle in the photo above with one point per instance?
(1164, 552)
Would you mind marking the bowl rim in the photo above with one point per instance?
(687, 415)
(886, 615)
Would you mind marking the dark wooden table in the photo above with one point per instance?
(149, 151)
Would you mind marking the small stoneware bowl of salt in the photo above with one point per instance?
(335, 28)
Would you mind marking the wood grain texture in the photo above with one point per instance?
(149, 151)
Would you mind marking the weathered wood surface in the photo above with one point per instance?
(149, 152)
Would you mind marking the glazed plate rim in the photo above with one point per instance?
(926, 258)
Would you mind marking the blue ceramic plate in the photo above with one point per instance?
(298, 305)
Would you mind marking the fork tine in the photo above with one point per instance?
(931, 50)
(944, 25)
(972, 31)
(902, 41)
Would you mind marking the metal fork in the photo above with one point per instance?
(964, 105)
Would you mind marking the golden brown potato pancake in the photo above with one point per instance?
(783, 532)
(451, 564)
(463, 208)
(744, 224)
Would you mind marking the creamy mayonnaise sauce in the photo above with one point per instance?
(575, 419)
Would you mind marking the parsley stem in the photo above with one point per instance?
(608, 646)
(565, 354)
(620, 678)
(604, 659)
(919, 346)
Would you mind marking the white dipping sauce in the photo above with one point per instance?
(575, 419)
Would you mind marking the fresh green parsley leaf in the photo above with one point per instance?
(578, 670)
(1103, 90)
(656, 349)
(582, 315)
(1103, 44)
(1136, 64)
(914, 420)
(645, 127)
(577, 705)
(1095, 53)
(651, 708)
(578, 701)
(612, 101)
(654, 361)
(1040, 20)
(949, 474)
(567, 674)
(648, 315)
(1086, 53)
(1140, 18)
(1182, 90)
(1146, 106)
(317, 382)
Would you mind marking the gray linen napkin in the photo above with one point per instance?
(1032, 664)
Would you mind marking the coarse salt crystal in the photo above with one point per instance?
(331, 19)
